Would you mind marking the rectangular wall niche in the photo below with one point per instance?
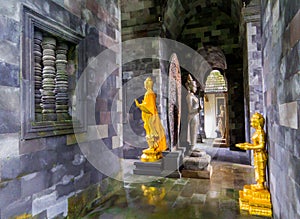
(51, 59)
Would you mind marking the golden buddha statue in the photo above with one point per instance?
(155, 134)
(256, 198)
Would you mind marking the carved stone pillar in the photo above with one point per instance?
(37, 51)
(48, 95)
(61, 88)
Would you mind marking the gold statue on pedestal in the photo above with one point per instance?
(155, 134)
(256, 198)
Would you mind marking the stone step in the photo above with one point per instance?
(149, 165)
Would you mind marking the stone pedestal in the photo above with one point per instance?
(148, 168)
(168, 166)
(171, 163)
(198, 174)
(197, 165)
(256, 202)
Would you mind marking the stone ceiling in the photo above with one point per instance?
(141, 18)
(196, 23)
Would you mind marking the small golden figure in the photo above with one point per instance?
(256, 198)
(155, 134)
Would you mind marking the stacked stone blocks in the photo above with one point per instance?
(40, 176)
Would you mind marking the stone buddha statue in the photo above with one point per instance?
(193, 111)
(221, 121)
(155, 134)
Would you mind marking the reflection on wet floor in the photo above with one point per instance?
(180, 198)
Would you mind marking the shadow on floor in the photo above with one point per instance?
(223, 154)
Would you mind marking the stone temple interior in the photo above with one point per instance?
(71, 135)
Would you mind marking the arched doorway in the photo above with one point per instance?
(215, 104)
(216, 108)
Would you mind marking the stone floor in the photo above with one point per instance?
(163, 198)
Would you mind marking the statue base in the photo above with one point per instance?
(197, 165)
(150, 155)
(256, 202)
(168, 166)
(198, 174)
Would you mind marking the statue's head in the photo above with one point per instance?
(191, 84)
(258, 118)
(148, 83)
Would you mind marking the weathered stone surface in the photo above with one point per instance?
(32, 145)
(10, 191)
(81, 182)
(9, 52)
(11, 168)
(60, 15)
(59, 210)
(41, 160)
(66, 188)
(60, 2)
(57, 173)
(199, 174)
(10, 29)
(9, 75)
(10, 98)
(10, 121)
(19, 207)
(11, 10)
(66, 154)
(56, 141)
(9, 145)
(288, 115)
(34, 183)
(294, 172)
(41, 202)
(196, 163)
(297, 145)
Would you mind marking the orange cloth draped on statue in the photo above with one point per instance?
(152, 122)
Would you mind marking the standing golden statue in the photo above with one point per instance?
(155, 134)
(256, 198)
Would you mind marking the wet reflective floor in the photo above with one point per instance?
(164, 198)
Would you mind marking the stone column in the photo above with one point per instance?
(61, 86)
(37, 51)
(48, 83)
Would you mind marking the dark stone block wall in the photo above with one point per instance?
(50, 177)
(280, 47)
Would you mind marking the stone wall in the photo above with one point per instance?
(280, 47)
(251, 30)
(44, 177)
(140, 19)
